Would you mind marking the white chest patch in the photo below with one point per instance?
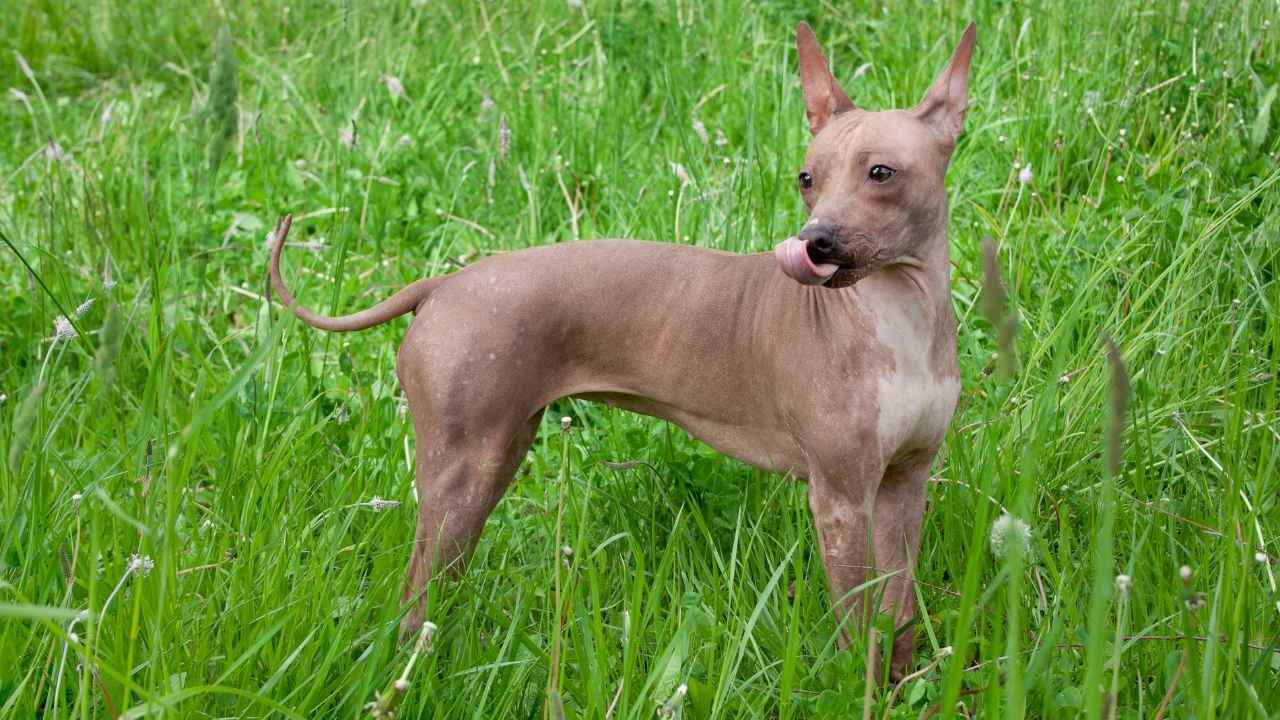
(916, 403)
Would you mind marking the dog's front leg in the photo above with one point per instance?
(899, 510)
(841, 497)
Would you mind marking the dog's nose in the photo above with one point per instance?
(819, 241)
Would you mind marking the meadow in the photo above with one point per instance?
(206, 506)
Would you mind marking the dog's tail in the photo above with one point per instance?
(404, 301)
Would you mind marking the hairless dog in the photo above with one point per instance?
(831, 359)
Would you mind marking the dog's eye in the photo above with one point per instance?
(806, 180)
(881, 173)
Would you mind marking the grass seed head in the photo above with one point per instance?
(24, 421)
(504, 138)
(1119, 407)
(378, 504)
(63, 329)
(104, 361)
(394, 87)
(221, 111)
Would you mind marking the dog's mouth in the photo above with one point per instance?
(793, 259)
(846, 276)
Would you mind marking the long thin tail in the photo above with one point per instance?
(406, 300)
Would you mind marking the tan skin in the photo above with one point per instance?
(849, 384)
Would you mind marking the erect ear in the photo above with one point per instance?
(823, 96)
(947, 99)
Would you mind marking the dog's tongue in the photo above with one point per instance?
(794, 260)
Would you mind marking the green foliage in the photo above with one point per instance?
(193, 423)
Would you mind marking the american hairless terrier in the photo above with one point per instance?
(831, 359)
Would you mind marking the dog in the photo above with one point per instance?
(831, 359)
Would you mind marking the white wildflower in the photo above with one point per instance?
(721, 140)
(347, 136)
(1007, 531)
(565, 423)
(141, 564)
(672, 706)
(1123, 584)
(394, 86)
(486, 104)
(424, 638)
(1024, 175)
(1185, 573)
(404, 141)
(83, 308)
(1258, 556)
(63, 329)
(401, 685)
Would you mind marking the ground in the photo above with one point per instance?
(227, 491)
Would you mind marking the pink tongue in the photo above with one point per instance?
(794, 260)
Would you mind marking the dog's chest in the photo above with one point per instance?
(917, 397)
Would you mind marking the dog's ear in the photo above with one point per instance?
(947, 99)
(823, 96)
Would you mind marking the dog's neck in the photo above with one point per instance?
(921, 279)
(927, 272)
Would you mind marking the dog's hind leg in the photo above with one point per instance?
(459, 481)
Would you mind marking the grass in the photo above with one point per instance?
(149, 147)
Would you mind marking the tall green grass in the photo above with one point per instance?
(182, 421)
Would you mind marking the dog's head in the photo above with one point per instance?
(871, 181)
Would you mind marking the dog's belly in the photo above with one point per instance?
(766, 448)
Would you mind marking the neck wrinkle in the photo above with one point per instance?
(929, 272)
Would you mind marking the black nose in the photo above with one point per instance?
(820, 241)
